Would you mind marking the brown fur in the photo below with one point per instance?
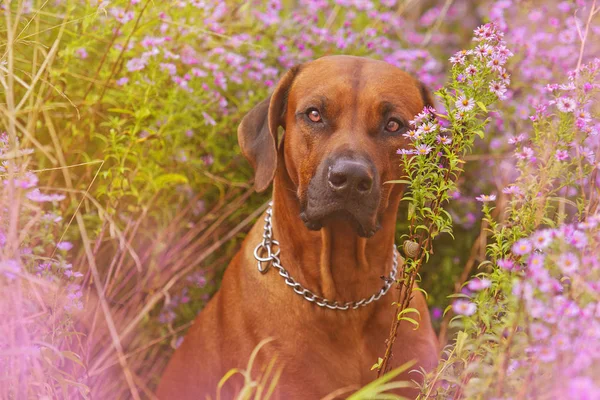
(320, 350)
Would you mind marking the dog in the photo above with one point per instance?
(333, 219)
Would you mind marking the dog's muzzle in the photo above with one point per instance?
(344, 187)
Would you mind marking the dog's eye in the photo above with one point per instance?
(393, 125)
(314, 115)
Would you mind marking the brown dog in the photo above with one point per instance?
(334, 219)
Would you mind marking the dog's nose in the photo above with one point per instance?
(352, 176)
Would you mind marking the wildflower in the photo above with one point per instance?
(546, 354)
(521, 247)
(37, 196)
(512, 189)
(568, 263)
(422, 116)
(10, 269)
(566, 104)
(208, 120)
(464, 104)
(539, 331)
(82, 53)
(478, 284)
(405, 152)
(498, 88)
(542, 239)
(427, 128)
(536, 261)
(66, 246)
(444, 139)
(464, 307)
(561, 155)
(121, 15)
(471, 70)
(525, 154)
(578, 239)
(136, 64)
(484, 198)
(122, 81)
(169, 67)
(458, 58)
(423, 149)
(517, 139)
(459, 115)
(412, 134)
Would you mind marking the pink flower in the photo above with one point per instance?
(562, 155)
(478, 284)
(471, 70)
(122, 81)
(512, 189)
(208, 120)
(566, 104)
(521, 247)
(121, 15)
(37, 196)
(542, 239)
(539, 331)
(412, 135)
(568, 263)
(427, 128)
(498, 88)
(136, 64)
(484, 198)
(82, 53)
(517, 139)
(525, 154)
(464, 104)
(65, 246)
(422, 149)
(405, 152)
(464, 307)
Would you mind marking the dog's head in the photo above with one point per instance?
(344, 118)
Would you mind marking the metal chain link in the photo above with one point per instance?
(272, 258)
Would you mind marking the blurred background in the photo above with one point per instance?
(130, 194)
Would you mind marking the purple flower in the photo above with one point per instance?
(65, 246)
(208, 120)
(37, 196)
(464, 104)
(542, 239)
(136, 64)
(521, 247)
(464, 307)
(562, 155)
(539, 331)
(478, 284)
(82, 53)
(484, 198)
(498, 88)
(422, 149)
(405, 152)
(121, 15)
(506, 263)
(427, 128)
(411, 134)
(513, 189)
(10, 269)
(568, 263)
(122, 81)
(566, 104)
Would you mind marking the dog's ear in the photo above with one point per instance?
(426, 95)
(257, 133)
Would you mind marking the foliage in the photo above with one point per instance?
(124, 193)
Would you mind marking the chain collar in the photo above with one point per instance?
(272, 258)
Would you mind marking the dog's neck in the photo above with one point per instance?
(334, 262)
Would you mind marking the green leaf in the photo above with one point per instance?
(170, 179)
(482, 106)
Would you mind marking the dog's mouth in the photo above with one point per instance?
(362, 220)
